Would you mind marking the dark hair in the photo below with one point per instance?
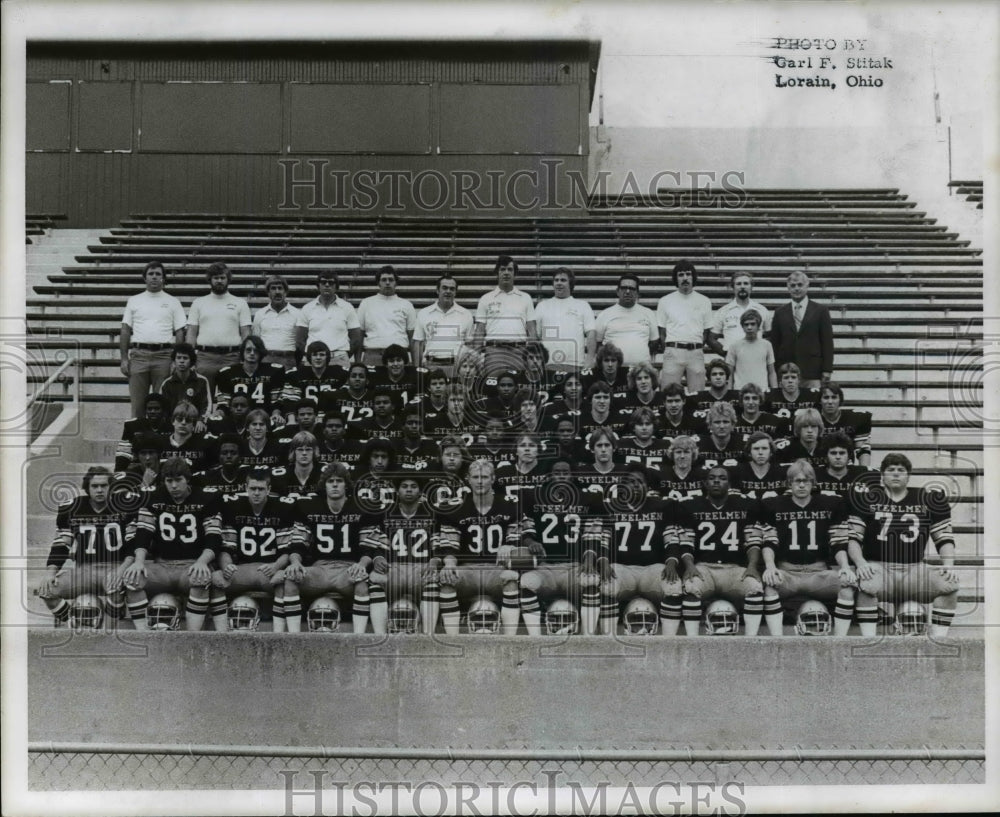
(756, 437)
(387, 269)
(154, 265)
(568, 273)
(184, 349)
(328, 275)
(259, 473)
(503, 261)
(257, 342)
(218, 268)
(832, 387)
(230, 437)
(598, 387)
(718, 363)
(95, 471)
(395, 350)
(608, 352)
(838, 439)
(685, 266)
(437, 283)
(154, 397)
(628, 276)
(176, 467)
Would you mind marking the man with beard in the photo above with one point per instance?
(218, 323)
(726, 321)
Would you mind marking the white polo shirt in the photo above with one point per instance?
(630, 330)
(329, 324)
(277, 329)
(685, 317)
(219, 319)
(154, 317)
(505, 314)
(442, 333)
(385, 320)
(726, 321)
(562, 325)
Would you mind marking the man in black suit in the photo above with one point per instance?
(802, 333)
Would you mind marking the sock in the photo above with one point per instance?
(940, 622)
(292, 608)
(531, 611)
(691, 613)
(451, 616)
(590, 610)
(670, 614)
(137, 612)
(194, 613)
(842, 615)
(430, 607)
(378, 609)
(609, 615)
(867, 620)
(773, 616)
(510, 609)
(219, 610)
(60, 613)
(753, 608)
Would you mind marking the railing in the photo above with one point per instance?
(53, 378)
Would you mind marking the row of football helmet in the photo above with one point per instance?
(639, 618)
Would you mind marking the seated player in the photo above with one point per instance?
(229, 476)
(569, 402)
(446, 483)
(807, 427)
(195, 449)
(144, 472)
(353, 400)
(571, 534)
(503, 397)
(304, 418)
(256, 536)
(373, 479)
(789, 397)
(383, 423)
(565, 442)
(752, 419)
(635, 524)
(259, 449)
(530, 417)
(525, 472)
(299, 478)
(434, 398)
(717, 379)
(334, 445)
(494, 446)
(602, 474)
(234, 420)
(396, 376)
(680, 477)
(185, 383)
(476, 538)
(839, 476)
(88, 548)
(643, 390)
(262, 382)
(538, 378)
(599, 413)
(334, 543)
(414, 451)
(804, 539)
(760, 476)
(470, 368)
(890, 533)
(610, 368)
(677, 420)
(155, 420)
(458, 420)
(719, 555)
(410, 566)
(855, 424)
(176, 541)
(314, 378)
(721, 446)
(642, 446)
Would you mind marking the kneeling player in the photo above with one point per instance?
(720, 553)
(475, 538)
(889, 534)
(256, 534)
(178, 529)
(803, 536)
(333, 545)
(88, 547)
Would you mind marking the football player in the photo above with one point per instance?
(718, 377)
(353, 400)
(642, 447)
(176, 541)
(643, 390)
(229, 476)
(839, 476)
(446, 484)
(609, 368)
(495, 443)
(299, 479)
(602, 474)
(256, 536)
(855, 424)
(752, 419)
(760, 476)
(260, 449)
(722, 445)
(234, 420)
(890, 532)
(195, 449)
(155, 420)
(414, 451)
(396, 376)
(677, 420)
(373, 478)
(680, 477)
(789, 397)
(383, 423)
(525, 472)
(807, 427)
(719, 543)
(88, 547)
(333, 545)
(804, 538)
(458, 420)
(575, 547)
(144, 471)
(334, 445)
(313, 377)
(262, 382)
(598, 413)
(476, 539)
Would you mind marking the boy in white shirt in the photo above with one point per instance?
(751, 357)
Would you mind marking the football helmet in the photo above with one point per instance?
(483, 616)
(404, 616)
(561, 618)
(244, 614)
(813, 618)
(640, 617)
(86, 612)
(911, 619)
(323, 615)
(722, 618)
(164, 612)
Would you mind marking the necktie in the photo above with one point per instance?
(797, 311)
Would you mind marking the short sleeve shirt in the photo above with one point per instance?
(442, 332)
(219, 319)
(563, 324)
(506, 314)
(276, 329)
(154, 317)
(684, 317)
(629, 329)
(329, 324)
(386, 320)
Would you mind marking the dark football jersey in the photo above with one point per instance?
(256, 537)
(512, 482)
(788, 451)
(264, 387)
(412, 537)
(443, 426)
(619, 388)
(444, 491)
(178, 530)
(858, 480)
(482, 451)
(480, 534)
(198, 450)
(900, 531)
(285, 482)
(718, 534)
(349, 452)
(855, 424)
(420, 458)
(588, 424)
(302, 383)
(90, 537)
(214, 481)
(374, 491)
(771, 424)
(631, 401)
(353, 408)
(652, 456)
(688, 426)
(773, 482)
(403, 390)
(729, 456)
(673, 486)
(702, 401)
(594, 481)
(272, 455)
(777, 402)
(137, 425)
(804, 535)
(373, 428)
(346, 535)
(567, 521)
(639, 532)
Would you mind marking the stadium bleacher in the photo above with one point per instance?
(972, 190)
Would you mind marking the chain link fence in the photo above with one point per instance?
(53, 767)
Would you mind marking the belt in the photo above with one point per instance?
(153, 347)
(221, 350)
(440, 358)
(683, 345)
(512, 343)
